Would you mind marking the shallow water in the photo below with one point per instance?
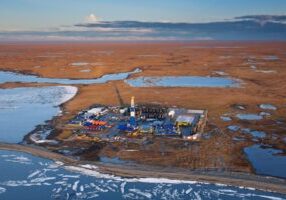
(23, 175)
(250, 117)
(183, 81)
(114, 160)
(271, 58)
(265, 161)
(21, 109)
(254, 133)
(265, 114)
(233, 128)
(225, 118)
(16, 77)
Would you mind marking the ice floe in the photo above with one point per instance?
(77, 184)
(2, 190)
(33, 174)
(19, 159)
(139, 192)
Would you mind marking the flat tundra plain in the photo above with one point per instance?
(259, 66)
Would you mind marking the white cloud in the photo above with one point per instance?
(92, 18)
(106, 29)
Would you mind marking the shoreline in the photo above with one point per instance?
(236, 179)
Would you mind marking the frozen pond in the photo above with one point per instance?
(79, 64)
(266, 114)
(21, 109)
(225, 118)
(267, 71)
(250, 117)
(265, 161)
(16, 77)
(254, 133)
(233, 128)
(220, 73)
(85, 70)
(183, 81)
(271, 58)
(23, 175)
(268, 107)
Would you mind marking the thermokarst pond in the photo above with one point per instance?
(6, 77)
(251, 117)
(265, 161)
(183, 81)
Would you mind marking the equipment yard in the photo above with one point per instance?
(111, 123)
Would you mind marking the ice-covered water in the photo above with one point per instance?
(21, 109)
(267, 71)
(233, 128)
(254, 133)
(85, 70)
(271, 58)
(114, 160)
(251, 117)
(220, 73)
(16, 77)
(79, 64)
(265, 161)
(268, 107)
(23, 175)
(225, 118)
(265, 114)
(183, 81)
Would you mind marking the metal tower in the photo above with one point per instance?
(132, 112)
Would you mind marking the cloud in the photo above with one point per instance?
(54, 38)
(105, 29)
(264, 19)
(92, 18)
(241, 28)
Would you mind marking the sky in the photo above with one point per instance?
(45, 14)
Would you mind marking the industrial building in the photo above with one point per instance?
(142, 119)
